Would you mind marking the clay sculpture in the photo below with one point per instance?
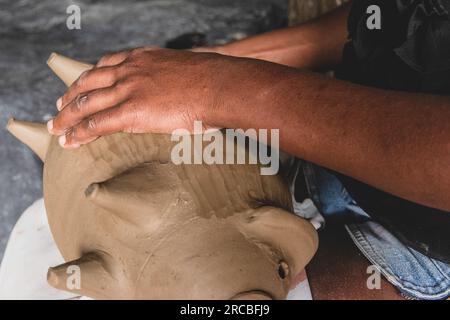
(137, 226)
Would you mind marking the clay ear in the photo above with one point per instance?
(289, 235)
(68, 70)
(85, 276)
(34, 135)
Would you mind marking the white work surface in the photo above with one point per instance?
(31, 251)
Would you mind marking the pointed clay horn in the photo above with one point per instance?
(86, 275)
(125, 204)
(34, 135)
(68, 70)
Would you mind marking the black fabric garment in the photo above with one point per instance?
(411, 52)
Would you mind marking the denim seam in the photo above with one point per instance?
(444, 284)
(359, 239)
(406, 287)
(368, 251)
(441, 271)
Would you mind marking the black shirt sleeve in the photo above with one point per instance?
(411, 52)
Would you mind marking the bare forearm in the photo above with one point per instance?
(316, 44)
(397, 142)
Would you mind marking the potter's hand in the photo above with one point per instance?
(150, 90)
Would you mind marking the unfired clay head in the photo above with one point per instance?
(140, 227)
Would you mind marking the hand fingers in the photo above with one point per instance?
(84, 105)
(105, 74)
(119, 57)
(113, 59)
(102, 123)
(88, 81)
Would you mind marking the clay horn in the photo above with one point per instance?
(34, 135)
(68, 70)
(85, 276)
(110, 196)
(104, 197)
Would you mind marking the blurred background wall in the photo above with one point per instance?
(304, 10)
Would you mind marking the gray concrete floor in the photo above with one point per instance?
(30, 30)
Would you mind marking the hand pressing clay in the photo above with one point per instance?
(137, 226)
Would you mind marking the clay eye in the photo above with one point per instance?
(283, 270)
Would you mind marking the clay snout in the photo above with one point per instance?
(290, 240)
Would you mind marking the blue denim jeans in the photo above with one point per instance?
(414, 274)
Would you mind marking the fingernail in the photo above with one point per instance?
(62, 140)
(50, 125)
(59, 103)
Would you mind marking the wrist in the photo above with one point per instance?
(248, 91)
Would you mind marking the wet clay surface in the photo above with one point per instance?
(139, 227)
